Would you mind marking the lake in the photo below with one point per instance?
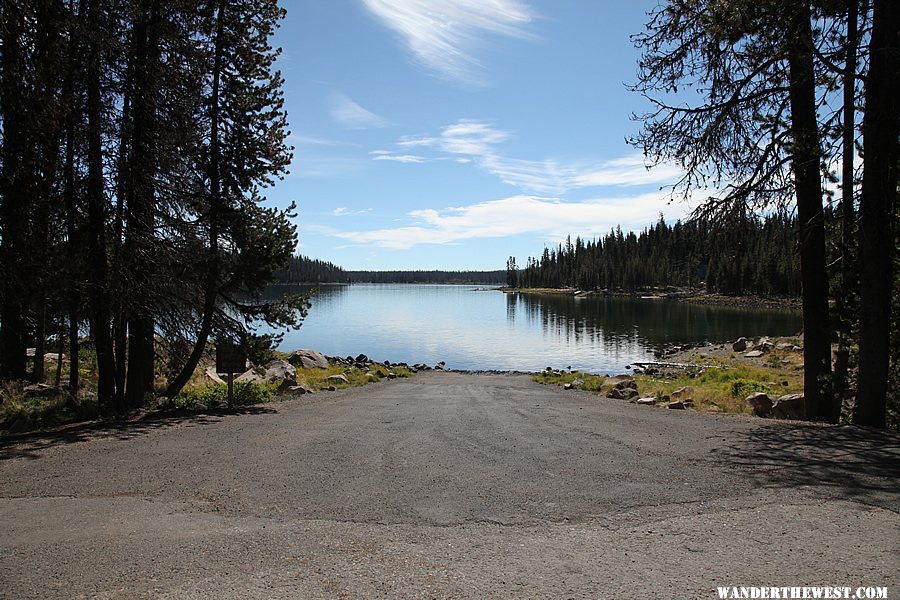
(474, 328)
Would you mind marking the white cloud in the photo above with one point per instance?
(402, 158)
(518, 215)
(343, 211)
(348, 113)
(441, 34)
(478, 141)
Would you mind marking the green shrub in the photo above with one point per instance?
(213, 396)
(741, 388)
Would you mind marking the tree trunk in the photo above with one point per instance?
(139, 217)
(97, 267)
(14, 200)
(876, 210)
(847, 288)
(808, 189)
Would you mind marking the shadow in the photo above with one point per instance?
(31, 444)
(859, 463)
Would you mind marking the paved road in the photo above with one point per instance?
(447, 485)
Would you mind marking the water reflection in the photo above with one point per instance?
(471, 328)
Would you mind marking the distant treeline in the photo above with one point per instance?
(754, 255)
(301, 269)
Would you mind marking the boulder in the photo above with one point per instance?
(438, 367)
(623, 393)
(683, 392)
(678, 404)
(578, 382)
(338, 379)
(308, 359)
(279, 372)
(754, 354)
(618, 382)
(648, 401)
(52, 357)
(761, 404)
(362, 358)
(739, 345)
(790, 406)
(212, 376)
(301, 389)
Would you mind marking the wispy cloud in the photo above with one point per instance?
(343, 211)
(516, 215)
(348, 113)
(479, 142)
(401, 158)
(441, 35)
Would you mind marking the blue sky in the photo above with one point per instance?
(452, 134)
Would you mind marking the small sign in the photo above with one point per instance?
(230, 358)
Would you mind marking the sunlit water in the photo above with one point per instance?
(473, 328)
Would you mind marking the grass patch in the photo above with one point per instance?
(591, 383)
(25, 412)
(317, 379)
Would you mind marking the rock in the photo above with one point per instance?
(392, 375)
(688, 403)
(308, 359)
(52, 357)
(648, 401)
(338, 379)
(38, 390)
(618, 382)
(577, 382)
(683, 392)
(623, 393)
(212, 376)
(362, 358)
(301, 389)
(438, 367)
(567, 386)
(760, 403)
(754, 354)
(739, 345)
(678, 404)
(784, 346)
(281, 372)
(250, 376)
(790, 406)
(331, 388)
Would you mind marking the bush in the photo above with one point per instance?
(741, 388)
(213, 396)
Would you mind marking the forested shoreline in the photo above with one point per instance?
(752, 256)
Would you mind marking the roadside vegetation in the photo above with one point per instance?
(715, 384)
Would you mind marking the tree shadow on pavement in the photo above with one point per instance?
(858, 463)
(31, 444)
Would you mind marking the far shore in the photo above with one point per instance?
(693, 296)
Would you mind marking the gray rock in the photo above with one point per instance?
(739, 345)
(683, 392)
(678, 405)
(338, 379)
(623, 393)
(301, 389)
(618, 382)
(281, 372)
(761, 404)
(567, 386)
(754, 354)
(212, 376)
(790, 406)
(250, 376)
(577, 382)
(38, 390)
(648, 401)
(308, 359)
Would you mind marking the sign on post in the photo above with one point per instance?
(230, 359)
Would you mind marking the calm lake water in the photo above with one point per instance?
(477, 329)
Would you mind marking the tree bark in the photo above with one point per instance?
(97, 266)
(876, 209)
(808, 188)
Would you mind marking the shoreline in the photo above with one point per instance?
(686, 296)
